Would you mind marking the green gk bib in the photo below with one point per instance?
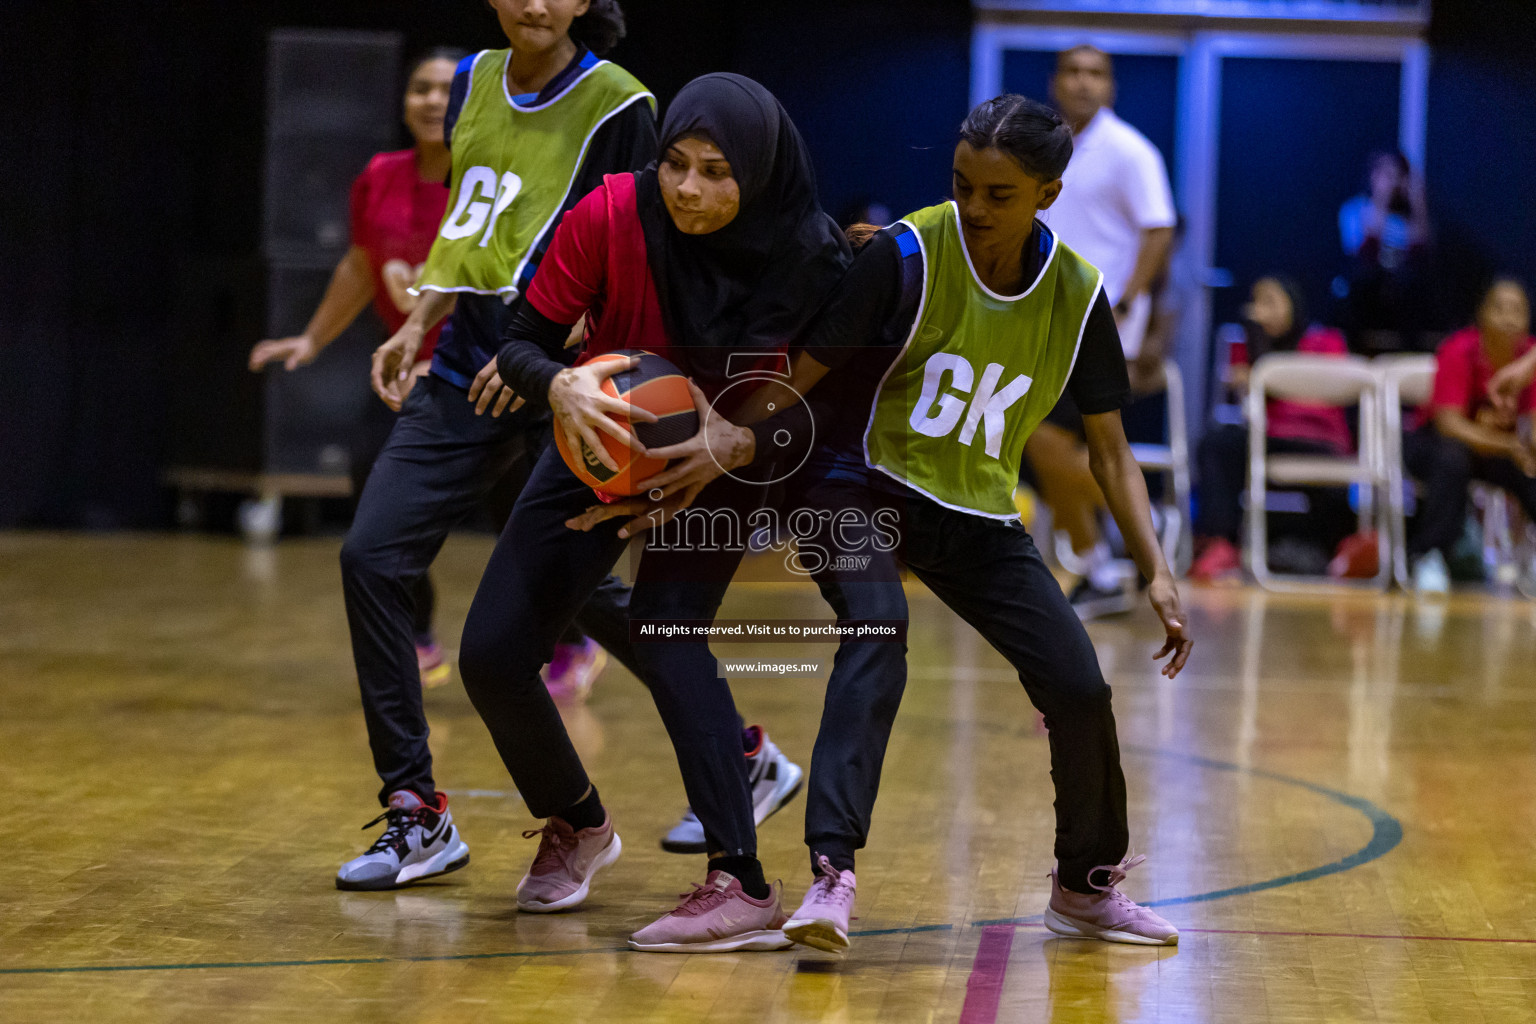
(979, 370)
(513, 165)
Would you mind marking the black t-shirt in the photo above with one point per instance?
(867, 320)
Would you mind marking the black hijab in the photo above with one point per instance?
(759, 280)
(1260, 343)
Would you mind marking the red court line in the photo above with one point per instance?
(1331, 935)
(984, 988)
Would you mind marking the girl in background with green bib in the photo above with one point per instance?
(994, 317)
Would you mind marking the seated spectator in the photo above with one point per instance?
(1506, 386)
(1274, 321)
(1385, 235)
(1463, 436)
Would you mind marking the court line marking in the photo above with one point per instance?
(984, 986)
(1330, 935)
(1387, 833)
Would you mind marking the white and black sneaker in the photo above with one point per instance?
(418, 842)
(1091, 601)
(774, 778)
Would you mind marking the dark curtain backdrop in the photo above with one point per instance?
(1482, 140)
(132, 152)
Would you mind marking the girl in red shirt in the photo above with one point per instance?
(1465, 436)
(397, 204)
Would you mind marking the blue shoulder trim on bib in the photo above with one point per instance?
(906, 241)
(458, 92)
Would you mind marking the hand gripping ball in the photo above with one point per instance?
(656, 386)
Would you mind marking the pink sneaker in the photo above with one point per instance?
(822, 920)
(1111, 915)
(430, 664)
(572, 671)
(562, 870)
(716, 917)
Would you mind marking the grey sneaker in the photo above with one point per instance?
(418, 842)
(775, 780)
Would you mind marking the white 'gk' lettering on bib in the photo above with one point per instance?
(988, 407)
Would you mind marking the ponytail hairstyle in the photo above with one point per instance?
(601, 28)
(1030, 132)
(860, 232)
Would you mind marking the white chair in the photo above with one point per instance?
(1172, 460)
(1406, 379)
(1325, 380)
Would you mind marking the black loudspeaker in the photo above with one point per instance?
(313, 414)
(333, 100)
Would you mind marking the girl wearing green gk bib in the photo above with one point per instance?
(994, 317)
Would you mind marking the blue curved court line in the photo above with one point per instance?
(1387, 832)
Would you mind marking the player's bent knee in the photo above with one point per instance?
(359, 559)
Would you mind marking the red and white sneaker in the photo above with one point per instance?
(562, 870)
(419, 841)
(717, 917)
(1110, 914)
(1217, 562)
(572, 671)
(822, 920)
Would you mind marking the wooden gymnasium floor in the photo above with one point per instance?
(1337, 800)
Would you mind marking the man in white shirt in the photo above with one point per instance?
(1116, 210)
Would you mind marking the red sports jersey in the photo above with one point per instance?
(395, 216)
(597, 265)
(1462, 372)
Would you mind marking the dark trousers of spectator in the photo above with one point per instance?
(437, 466)
(539, 578)
(1222, 460)
(1447, 468)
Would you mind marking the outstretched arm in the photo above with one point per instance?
(1125, 491)
(350, 289)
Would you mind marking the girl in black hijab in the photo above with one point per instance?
(1274, 321)
(719, 249)
(757, 281)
